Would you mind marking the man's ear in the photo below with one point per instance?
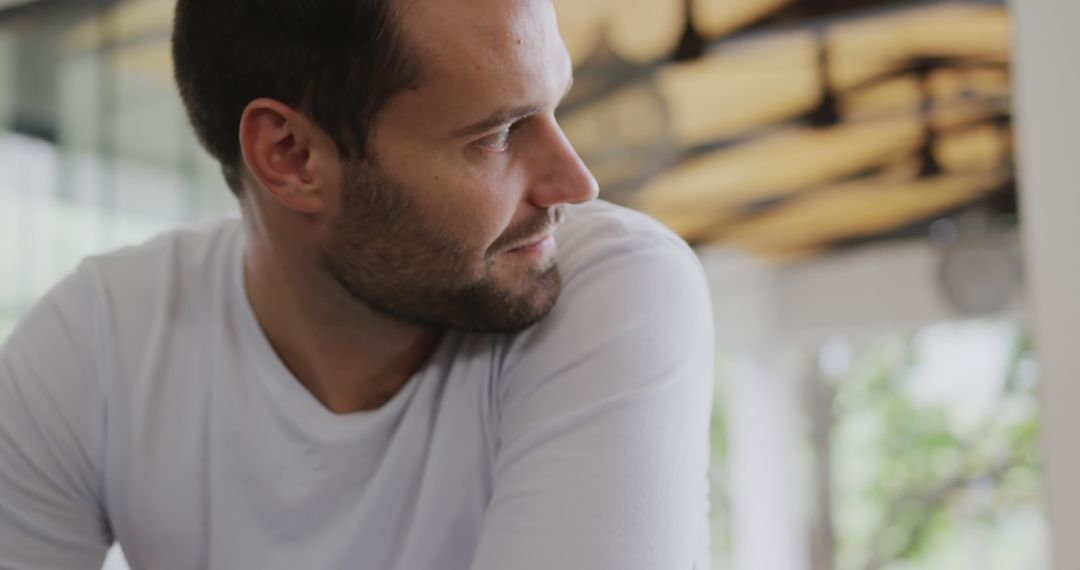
(290, 156)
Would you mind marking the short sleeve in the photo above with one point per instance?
(51, 436)
(604, 415)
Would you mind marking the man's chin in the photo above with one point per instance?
(504, 302)
(515, 309)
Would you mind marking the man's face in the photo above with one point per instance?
(450, 220)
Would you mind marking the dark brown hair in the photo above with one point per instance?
(338, 61)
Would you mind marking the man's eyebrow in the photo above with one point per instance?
(503, 117)
(500, 117)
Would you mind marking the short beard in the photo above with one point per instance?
(384, 254)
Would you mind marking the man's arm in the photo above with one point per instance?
(51, 437)
(603, 454)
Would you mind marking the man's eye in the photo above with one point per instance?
(499, 141)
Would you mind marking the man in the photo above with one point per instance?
(419, 349)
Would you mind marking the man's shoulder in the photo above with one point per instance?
(190, 244)
(601, 229)
(184, 252)
(602, 219)
(633, 320)
(171, 272)
(632, 290)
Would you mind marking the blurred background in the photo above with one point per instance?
(844, 168)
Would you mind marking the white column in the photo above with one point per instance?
(1047, 83)
(768, 483)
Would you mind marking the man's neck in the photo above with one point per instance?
(348, 356)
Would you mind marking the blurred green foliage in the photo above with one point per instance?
(718, 467)
(910, 478)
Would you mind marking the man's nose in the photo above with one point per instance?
(559, 175)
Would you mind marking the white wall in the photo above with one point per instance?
(891, 287)
(1047, 83)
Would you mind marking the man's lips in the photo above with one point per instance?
(535, 244)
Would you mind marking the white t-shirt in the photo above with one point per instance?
(140, 402)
